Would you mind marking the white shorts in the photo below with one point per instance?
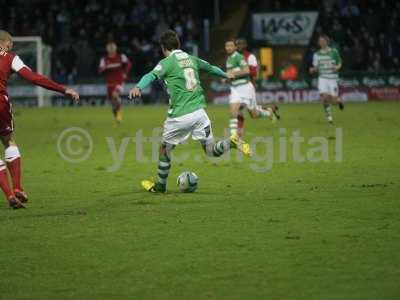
(328, 86)
(244, 94)
(177, 130)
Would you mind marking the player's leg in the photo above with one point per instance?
(274, 109)
(234, 108)
(257, 111)
(241, 121)
(116, 105)
(262, 112)
(113, 96)
(202, 132)
(335, 97)
(163, 168)
(217, 148)
(326, 104)
(176, 131)
(13, 161)
(6, 128)
(235, 105)
(4, 183)
(324, 92)
(339, 101)
(6, 188)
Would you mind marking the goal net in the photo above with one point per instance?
(37, 56)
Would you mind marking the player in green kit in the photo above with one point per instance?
(327, 63)
(243, 93)
(186, 114)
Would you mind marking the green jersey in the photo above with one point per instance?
(180, 72)
(235, 62)
(325, 61)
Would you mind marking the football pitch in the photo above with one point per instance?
(278, 227)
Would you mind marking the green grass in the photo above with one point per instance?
(326, 230)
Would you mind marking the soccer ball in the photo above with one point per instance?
(187, 182)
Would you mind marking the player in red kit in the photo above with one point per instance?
(251, 60)
(115, 66)
(11, 63)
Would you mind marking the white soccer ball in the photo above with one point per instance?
(187, 182)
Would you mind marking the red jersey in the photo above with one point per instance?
(252, 63)
(115, 68)
(9, 63)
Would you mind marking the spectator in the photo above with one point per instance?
(338, 32)
(68, 22)
(395, 67)
(350, 10)
(85, 60)
(357, 54)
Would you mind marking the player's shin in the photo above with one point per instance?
(13, 160)
(164, 166)
(339, 102)
(264, 113)
(240, 129)
(233, 125)
(4, 183)
(216, 149)
(328, 111)
(117, 109)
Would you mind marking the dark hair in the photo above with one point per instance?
(325, 37)
(241, 39)
(169, 40)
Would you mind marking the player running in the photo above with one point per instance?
(327, 63)
(243, 93)
(186, 115)
(241, 45)
(116, 67)
(11, 63)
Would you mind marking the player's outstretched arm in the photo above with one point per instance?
(144, 82)
(23, 71)
(243, 72)
(313, 70)
(102, 66)
(72, 94)
(46, 83)
(211, 69)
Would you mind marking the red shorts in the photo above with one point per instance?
(6, 117)
(114, 88)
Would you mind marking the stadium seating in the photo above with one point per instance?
(134, 25)
(364, 30)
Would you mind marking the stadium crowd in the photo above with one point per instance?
(78, 40)
(365, 31)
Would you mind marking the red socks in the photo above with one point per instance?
(13, 160)
(4, 183)
(14, 167)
